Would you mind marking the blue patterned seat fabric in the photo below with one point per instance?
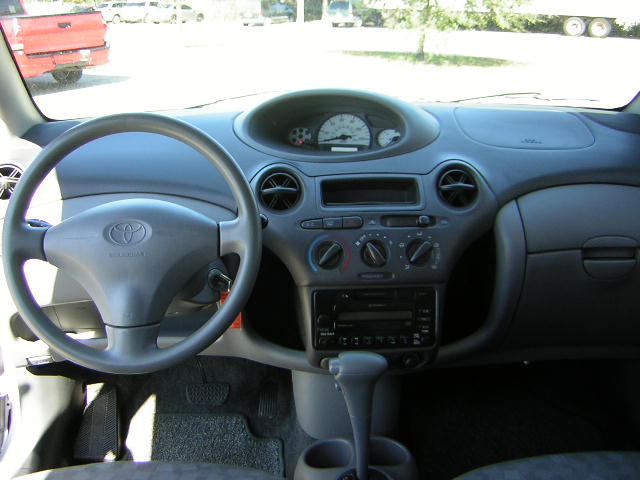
(150, 471)
(570, 466)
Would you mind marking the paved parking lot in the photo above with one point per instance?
(171, 66)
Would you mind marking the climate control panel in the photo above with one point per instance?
(376, 254)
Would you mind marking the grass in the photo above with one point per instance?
(433, 59)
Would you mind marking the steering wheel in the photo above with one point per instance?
(132, 256)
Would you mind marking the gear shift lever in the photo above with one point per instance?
(356, 374)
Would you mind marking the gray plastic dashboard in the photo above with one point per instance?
(543, 176)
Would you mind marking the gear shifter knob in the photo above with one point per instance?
(356, 374)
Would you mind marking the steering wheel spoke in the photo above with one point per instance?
(131, 343)
(233, 235)
(27, 241)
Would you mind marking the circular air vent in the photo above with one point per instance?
(457, 188)
(9, 176)
(279, 191)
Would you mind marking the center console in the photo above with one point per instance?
(371, 253)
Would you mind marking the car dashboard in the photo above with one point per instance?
(432, 233)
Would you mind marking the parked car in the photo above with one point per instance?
(135, 12)
(111, 11)
(275, 13)
(168, 13)
(342, 13)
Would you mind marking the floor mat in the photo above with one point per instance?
(456, 420)
(222, 439)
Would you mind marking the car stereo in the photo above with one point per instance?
(381, 318)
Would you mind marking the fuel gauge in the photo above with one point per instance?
(388, 136)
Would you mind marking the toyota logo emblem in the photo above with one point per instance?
(127, 233)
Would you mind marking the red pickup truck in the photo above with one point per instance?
(61, 44)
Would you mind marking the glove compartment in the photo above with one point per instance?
(581, 284)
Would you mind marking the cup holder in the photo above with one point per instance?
(392, 458)
(329, 459)
(336, 453)
(385, 452)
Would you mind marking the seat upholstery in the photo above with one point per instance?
(570, 466)
(150, 471)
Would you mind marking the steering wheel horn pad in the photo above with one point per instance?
(133, 256)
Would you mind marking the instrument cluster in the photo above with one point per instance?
(344, 133)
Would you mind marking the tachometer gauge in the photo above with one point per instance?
(388, 136)
(344, 129)
(299, 136)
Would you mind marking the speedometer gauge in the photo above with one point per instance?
(344, 129)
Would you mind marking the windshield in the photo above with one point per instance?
(150, 58)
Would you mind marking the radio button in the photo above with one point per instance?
(380, 340)
(404, 340)
(355, 341)
(323, 321)
(405, 294)
(343, 341)
(410, 360)
(367, 340)
(392, 340)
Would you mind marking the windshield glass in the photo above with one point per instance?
(148, 57)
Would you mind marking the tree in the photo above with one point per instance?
(426, 15)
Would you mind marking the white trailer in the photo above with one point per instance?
(595, 17)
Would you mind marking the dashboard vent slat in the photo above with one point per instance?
(279, 191)
(9, 176)
(457, 188)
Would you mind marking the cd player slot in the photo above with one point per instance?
(375, 306)
(368, 316)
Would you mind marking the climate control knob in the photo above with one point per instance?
(374, 253)
(328, 255)
(419, 251)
